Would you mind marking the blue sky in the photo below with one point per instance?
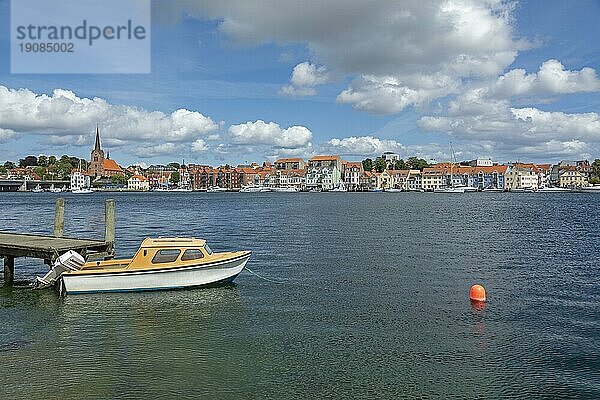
(252, 81)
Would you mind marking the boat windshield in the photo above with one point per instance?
(208, 249)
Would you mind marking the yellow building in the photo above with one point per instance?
(570, 177)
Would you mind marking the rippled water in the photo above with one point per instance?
(371, 300)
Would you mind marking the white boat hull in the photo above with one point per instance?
(450, 190)
(158, 279)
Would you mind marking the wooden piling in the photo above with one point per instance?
(9, 269)
(109, 221)
(59, 217)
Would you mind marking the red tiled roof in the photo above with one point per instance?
(111, 165)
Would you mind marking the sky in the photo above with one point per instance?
(238, 82)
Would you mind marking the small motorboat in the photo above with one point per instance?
(159, 264)
(250, 189)
(215, 189)
(81, 190)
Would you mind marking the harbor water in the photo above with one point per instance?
(360, 295)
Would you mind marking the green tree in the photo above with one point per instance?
(175, 178)
(42, 160)
(596, 168)
(417, 163)
(40, 171)
(29, 161)
(367, 164)
(9, 165)
(118, 179)
(400, 164)
(173, 165)
(380, 164)
(51, 160)
(3, 170)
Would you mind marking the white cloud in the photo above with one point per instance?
(515, 132)
(305, 77)
(552, 78)
(362, 146)
(64, 114)
(388, 95)
(271, 134)
(7, 135)
(392, 48)
(164, 149)
(76, 140)
(199, 146)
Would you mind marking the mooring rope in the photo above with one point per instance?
(263, 277)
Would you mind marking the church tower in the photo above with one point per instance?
(96, 167)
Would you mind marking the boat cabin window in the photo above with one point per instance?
(165, 256)
(208, 250)
(192, 254)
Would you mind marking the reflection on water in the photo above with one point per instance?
(373, 300)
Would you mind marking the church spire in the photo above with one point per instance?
(97, 146)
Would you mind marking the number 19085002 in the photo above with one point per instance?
(46, 47)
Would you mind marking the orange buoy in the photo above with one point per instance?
(477, 293)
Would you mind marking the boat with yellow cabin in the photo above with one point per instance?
(159, 264)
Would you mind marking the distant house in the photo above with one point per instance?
(79, 180)
(352, 173)
(138, 182)
(290, 163)
(571, 177)
(521, 177)
(324, 172)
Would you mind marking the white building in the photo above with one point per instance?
(79, 180)
(481, 162)
(138, 182)
(324, 172)
(521, 178)
(352, 174)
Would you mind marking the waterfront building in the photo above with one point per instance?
(291, 178)
(138, 182)
(571, 177)
(22, 173)
(583, 166)
(290, 164)
(367, 181)
(159, 180)
(520, 177)
(324, 172)
(432, 178)
(352, 173)
(79, 180)
(385, 180)
(101, 165)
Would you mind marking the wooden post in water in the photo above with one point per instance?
(59, 217)
(9, 269)
(109, 222)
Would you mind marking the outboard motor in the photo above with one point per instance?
(70, 261)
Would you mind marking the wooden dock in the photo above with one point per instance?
(48, 248)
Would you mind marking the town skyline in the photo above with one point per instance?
(504, 80)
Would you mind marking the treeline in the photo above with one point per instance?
(48, 167)
(379, 164)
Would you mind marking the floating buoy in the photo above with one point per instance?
(477, 293)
